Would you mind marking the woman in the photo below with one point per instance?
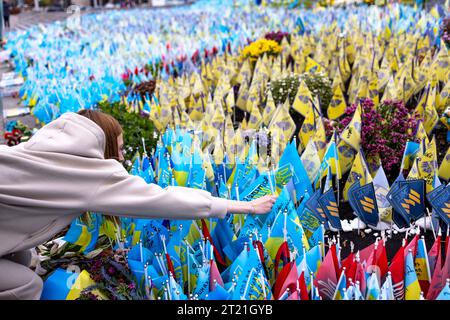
(69, 167)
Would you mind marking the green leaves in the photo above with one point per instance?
(135, 127)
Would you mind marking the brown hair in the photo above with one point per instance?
(110, 127)
(112, 131)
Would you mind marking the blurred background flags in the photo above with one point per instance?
(409, 154)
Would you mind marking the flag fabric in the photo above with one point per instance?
(445, 293)
(326, 280)
(397, 217)
(409, 199)
(328, 203)
(337, 104)
(352, 133)
(422, 266)
(412, 286)
(84, 231)
(290, 163)
(314, 206)
(359, 172)
(373, 287)
(444, 168)
(341, 287)
(409, 154)
(360, 278)
(67, 285)
(397, 270)
(441, 203)
(363, 202)
(436, 280)
(433, 254)
(387, 292)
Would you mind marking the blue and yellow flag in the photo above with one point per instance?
(422, 266)
(252, 284)
(84, 231)
(66, 285)
(290, 165)
(341, 287)
(373, 287)
(409, 154)
(412, 287)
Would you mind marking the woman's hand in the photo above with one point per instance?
(259, 206)
(262, 205)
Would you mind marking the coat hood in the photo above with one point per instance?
(69, 134)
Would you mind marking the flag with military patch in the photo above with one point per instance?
(363, 202)
(327, 202)
(441, 204)
(409, 199)
(313, 205)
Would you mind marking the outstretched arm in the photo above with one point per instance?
(125, 195)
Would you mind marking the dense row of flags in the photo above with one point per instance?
(68, 68)
(282, 255)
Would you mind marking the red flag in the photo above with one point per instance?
(436, 280)
(282, 254)
(170, 265)
(326, 280)
(207, 235)
(381, 259)
(397, 269)
(214, 274)
(351, 272)
(350, 267)
(413, 246)
(446, 266)
(433, 254)
(360, 276)
(347, 262)
(303, 288)
(335, 260)
(260, 247)
(364, 254)
(293, 296)
(447, 240)
(286, 279)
